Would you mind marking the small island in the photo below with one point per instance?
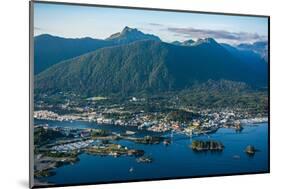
(250, 150)
(199, 145)
(114, 150)
(149, 140)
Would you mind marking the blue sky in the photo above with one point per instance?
(97, 22)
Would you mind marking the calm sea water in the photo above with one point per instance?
(175, 160)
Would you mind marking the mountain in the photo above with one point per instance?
(49, 50)
(147, 66)
(188, 42)
(191, 42)
(185, 43)
(128, 35)
(176, 43)
(260, 47)
(249, 58)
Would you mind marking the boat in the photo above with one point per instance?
(167, 142)
(130, 132)
(131, 169)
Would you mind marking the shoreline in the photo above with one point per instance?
(243, 121)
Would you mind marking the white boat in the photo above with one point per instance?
(130, 132)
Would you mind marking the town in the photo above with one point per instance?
(176, 119)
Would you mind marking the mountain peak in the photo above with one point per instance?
(207, 40)
(188, 42)
(128, 29)
(131, 34)
(176, 43)
(200, 41)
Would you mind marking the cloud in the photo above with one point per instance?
(155, 24)
(217, 34)
(145, 29)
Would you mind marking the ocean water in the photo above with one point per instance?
(174, 160)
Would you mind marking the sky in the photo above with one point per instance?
(74, 21)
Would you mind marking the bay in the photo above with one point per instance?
(172, 161)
